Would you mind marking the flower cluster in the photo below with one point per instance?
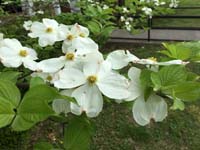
(83, 73)
(141, 8)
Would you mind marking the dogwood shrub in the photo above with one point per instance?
(78, 81)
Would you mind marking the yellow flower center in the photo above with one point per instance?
(92, 79)
(70, 37)
(49, 30)
(153, 59)
(70, 56)
(82, 35)
(49, 78)
(23, 53)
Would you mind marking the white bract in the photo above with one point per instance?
(95, 79)
(13, 54)
(120, 58)
(48, 32)
(135, 87)
(153, 61)
(154, 108)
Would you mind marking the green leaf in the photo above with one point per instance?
(94, 26)
(34, 107)
(168, 76)
(43, 146)
(187, 91)
(9, 91)
(178, 104)
(6, 112)
(36, 81)
(78, 134)
(10, 76)
(191, 76)
(194, 48)
(177, 51)
(9, 100)
(146, 82)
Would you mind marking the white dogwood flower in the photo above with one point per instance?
(95, 79)
(76, 37)
(13, 54)
(48, 32)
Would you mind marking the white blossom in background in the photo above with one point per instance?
(40, 12)
(147, 11)
(48, 32)
(105, 6)
(128, 26)
(27, 25)
(156, 2)
(127, 22)
(125, 10)
(13, 54)
(122, 19)
(174, 3)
